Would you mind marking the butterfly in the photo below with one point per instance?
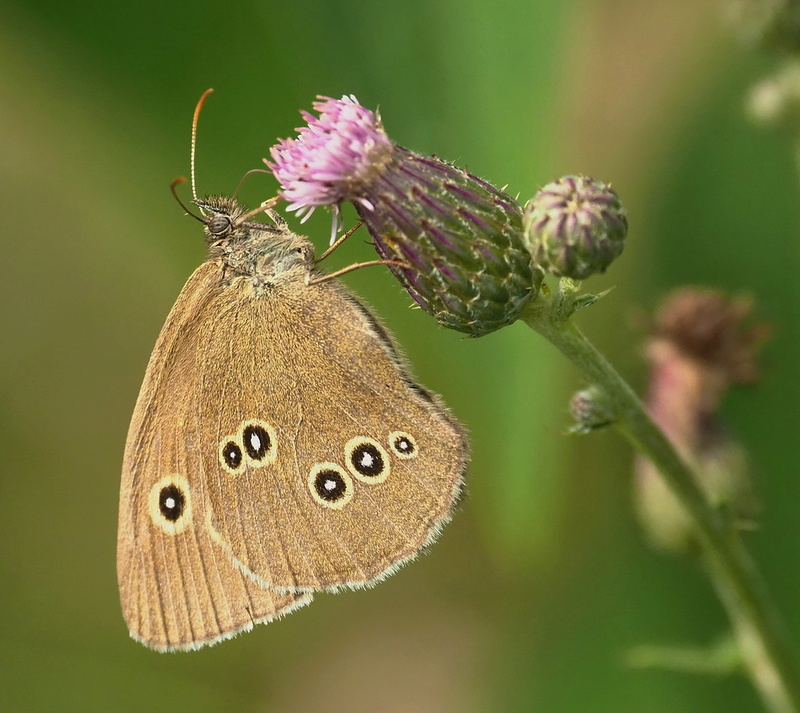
(279, 445)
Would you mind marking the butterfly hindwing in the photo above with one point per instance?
(337, 502)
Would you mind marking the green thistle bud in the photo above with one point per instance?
(575, 227)
(591, 410)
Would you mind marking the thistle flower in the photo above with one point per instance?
(459, 239)
(702, 345)
(575, 227)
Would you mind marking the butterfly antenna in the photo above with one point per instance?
(249, 173)
(173, 186)
(194, 138)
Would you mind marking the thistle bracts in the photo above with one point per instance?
(459, 236)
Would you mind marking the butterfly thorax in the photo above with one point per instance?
(266, 255)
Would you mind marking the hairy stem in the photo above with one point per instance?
(766, 654)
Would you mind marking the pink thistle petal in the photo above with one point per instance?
(334, 157)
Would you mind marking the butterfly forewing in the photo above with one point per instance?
(179, 588)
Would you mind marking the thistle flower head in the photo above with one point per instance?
(703, 343)
(456, 237)
(575, 227)
(333, 156)
(713, 330)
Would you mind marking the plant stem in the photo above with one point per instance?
(766, 654)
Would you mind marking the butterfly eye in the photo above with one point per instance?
(231, 457)
(330, 485)
(219, 224)
(259, 441)
(169, 504)
(403, 444)
(367, 459)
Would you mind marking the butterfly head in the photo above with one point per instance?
(252, 247)
(223, 218)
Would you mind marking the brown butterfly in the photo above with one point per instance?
(278, 447)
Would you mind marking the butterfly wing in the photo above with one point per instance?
(329, 466)
(178, 586)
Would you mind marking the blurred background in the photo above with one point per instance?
(542, 583)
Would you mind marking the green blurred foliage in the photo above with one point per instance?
(541, 583)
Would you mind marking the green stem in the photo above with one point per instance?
(769, 660)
